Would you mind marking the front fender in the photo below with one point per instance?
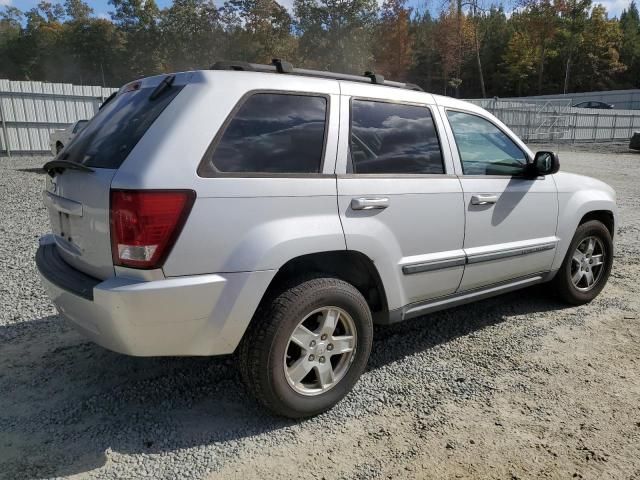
(573, 206)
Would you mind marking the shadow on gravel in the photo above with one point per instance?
(66, 402)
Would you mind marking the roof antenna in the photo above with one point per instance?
(375, 78)
(282, 66)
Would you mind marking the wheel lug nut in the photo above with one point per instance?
(330, 347)
(312, 358)
(321, 359)
(323, 337)
(313, 343)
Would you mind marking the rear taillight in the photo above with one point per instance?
(145, 224)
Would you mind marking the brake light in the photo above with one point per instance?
(145, 224)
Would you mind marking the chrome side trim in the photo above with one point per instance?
(433, 265)
(513, 252)
(459, 260)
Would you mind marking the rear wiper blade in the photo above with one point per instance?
(162, 86)
(57, 166)
(109, 98)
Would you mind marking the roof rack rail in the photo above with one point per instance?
(281, 66)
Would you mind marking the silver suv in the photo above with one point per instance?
(279, 213)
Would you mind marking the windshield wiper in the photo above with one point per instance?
(58, 166)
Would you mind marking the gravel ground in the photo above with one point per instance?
(518, 386)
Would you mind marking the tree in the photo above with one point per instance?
(192, 35)
(393, 47)
(262, 30)
(541, 20)
(599, 57)
(454, 34)
(630, 45)
(574, 16)
(425, 67)
(520, 60)
(77, 9)
(335, 34)
(142, 52)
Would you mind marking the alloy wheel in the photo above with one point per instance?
(587, 264)
(320, 351)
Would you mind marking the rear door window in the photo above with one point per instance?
(393, 138)
(107, 140)
(271, 133)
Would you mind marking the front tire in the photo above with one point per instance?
(587, 265)
(307, 347)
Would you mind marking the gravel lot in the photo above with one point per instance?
(514, 387)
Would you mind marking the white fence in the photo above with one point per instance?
(29, 111)
(557, 121)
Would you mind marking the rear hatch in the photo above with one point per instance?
(78, 186)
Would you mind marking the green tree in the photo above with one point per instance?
(143, 51)
(630, 45)
(425, 69)
(336, 34)
(260, 30)
(520, 59)
(191, 34)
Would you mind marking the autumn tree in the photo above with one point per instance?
(393, 47)
(520, 59)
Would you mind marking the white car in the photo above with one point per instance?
(280, 213)
(58, 139)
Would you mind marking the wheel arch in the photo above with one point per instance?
(349, 265)
(605, 217)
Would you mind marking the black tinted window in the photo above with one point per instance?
(393, 138)
(272, 133)
(108, 138)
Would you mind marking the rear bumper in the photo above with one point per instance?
(190, 315)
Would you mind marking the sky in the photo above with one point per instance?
(102, 8)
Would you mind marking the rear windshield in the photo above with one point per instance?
(108, 138)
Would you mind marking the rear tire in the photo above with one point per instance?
(307, 347)
(587, 265)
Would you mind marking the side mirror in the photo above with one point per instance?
(545, 163)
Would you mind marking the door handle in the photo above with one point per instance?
(362, 203)
(483, 199)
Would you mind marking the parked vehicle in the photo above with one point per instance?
(634, 143)
(600, 105)
(279, 213)
(58, 139)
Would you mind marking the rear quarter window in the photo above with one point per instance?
(270, 133)
(107, 140)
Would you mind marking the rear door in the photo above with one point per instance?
(511, 219)
(78, 201)
(399, 200)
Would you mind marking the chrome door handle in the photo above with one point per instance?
(362, 203)
(483, 199)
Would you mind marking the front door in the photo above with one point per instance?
(511, 220)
